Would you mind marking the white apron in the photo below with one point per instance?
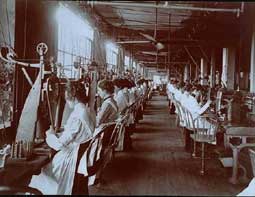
(57, 177)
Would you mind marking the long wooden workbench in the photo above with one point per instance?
(17, 172)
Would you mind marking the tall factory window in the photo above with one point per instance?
(75, 38)
(111, 56)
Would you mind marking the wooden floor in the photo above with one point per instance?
(159, 165)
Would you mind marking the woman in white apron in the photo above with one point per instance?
(122, 100)
(120, 97)
(60, 175)
(108, 112)
(195, 108)
(109, 109)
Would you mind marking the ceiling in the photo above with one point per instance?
(195, 27)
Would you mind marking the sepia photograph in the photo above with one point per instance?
(127, 98)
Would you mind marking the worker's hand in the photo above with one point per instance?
(50, 131)
(53, 142)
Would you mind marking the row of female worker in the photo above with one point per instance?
(61, 176)
(189, 96)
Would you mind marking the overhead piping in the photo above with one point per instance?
(165, 6)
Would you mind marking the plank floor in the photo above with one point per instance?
(159, 165)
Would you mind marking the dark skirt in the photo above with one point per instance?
(80, 185)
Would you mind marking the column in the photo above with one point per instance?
(145, 72)
(212, 69)
(196, 72)
(187, 72)
(228, 67)
(168, 73)
(141, 69)
(203, 69)
(252, 66)
(130, 62)
(134, 66)
(224, 67)
(120, 62)
(138, 68)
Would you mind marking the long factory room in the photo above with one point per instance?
(127, 98)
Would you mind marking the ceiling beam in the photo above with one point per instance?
(164, 25)
(187, 42)
(147, 62)
(167, 6)
(159, 14)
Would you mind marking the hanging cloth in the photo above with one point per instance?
(28, 118)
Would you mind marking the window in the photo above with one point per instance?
(111, 56)
(75, 38)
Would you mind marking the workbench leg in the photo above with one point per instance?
(233, 179)
(202, 171)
